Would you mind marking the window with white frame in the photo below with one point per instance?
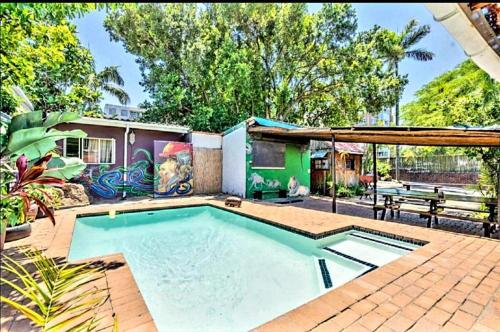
(124, 113)
(91, 150)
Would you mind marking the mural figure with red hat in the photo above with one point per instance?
(173, 168)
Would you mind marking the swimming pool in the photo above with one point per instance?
(207, 269)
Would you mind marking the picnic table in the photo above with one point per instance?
(436, 202)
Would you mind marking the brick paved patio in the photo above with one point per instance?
(450, 284)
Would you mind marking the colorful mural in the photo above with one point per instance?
(295, 177)
(103, 182)
(173, 169)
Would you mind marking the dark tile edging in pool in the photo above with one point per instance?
(269, 222)
(327, 281)
(373, 266)
(391, 236)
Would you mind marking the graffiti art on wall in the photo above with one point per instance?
(295, 177)
(173, 169)
(103, 182)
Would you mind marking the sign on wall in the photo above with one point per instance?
(173, 169)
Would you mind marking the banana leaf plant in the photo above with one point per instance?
(27, 176)
(31, 135)
(61, 296)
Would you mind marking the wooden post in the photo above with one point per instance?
(334, 176)
(374, 180)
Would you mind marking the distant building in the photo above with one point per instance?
(382, 119)
(121, 112)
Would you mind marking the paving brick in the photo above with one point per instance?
(425, 302)
(391, 289)
(372, 320)
(346, 318)
(378, 297)
(452, 327)
(456, 295)
(437, 316)
(472, 308)
(363, 307)
(448, 305)
(387, 309)
(463, 319)
(413, 311)
(426, 325)
(399, 322)
(401, 300)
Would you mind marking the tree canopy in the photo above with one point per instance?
(464, 96)
(40, 52)
(214, 65)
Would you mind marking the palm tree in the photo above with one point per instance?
(404, 48)
(110, 81)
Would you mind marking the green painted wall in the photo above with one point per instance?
(297, 163)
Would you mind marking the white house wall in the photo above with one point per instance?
(209, 141)
(233, 162)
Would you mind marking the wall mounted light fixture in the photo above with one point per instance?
(131, 138)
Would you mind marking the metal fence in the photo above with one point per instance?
(438, 164)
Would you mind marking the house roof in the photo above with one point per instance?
(470, 28)
(351, 148)
(132, 125)
(270, 123)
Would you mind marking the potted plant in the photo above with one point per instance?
(16, 200)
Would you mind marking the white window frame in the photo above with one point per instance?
(80, 149)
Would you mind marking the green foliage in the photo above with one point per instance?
(34, 137)
(384, 170)
(11, 209)
(30, 135)
(59, 293)
(464, 96)
(211, 67)
(40, 52)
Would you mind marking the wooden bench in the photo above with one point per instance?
(442, 210)
(421, 210)
(258, 194)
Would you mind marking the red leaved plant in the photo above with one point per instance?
(33, 175)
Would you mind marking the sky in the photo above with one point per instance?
(394, 16)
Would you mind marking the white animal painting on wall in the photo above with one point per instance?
(295, 189)
(256, 180)
(273, 184)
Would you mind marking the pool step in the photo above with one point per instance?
(387, 243)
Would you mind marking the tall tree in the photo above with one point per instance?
(110, 81)
(40, 52)
(213, 66)
(403, 48)
(464, 96)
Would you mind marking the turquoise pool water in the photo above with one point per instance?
(207, 269)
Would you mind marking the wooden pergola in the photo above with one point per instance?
(421, 136)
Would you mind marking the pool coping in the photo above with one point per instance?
(326, 310)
